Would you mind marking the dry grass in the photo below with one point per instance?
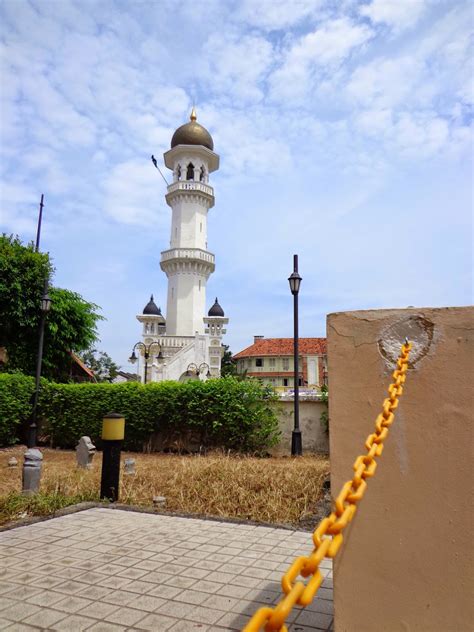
(277, 490)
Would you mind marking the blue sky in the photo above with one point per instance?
(344, 131)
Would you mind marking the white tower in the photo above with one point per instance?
(188, 263)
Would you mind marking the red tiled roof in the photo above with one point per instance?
(81, 364)
(283, 347)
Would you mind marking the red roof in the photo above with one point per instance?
(283, 347)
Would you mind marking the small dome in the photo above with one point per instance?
(216, 310)
(192, 133)
(151, 308)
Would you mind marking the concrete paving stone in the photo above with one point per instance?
(103, 626)
(5, 587)
(197, 573)
(48, 582)
(94, 592)
(184, 626)
(264, 564)
(90, 577)
(205, 564)
(73, 623)
(176, 609)
(148, 565)
(219, 557)
(197, 555)
(45, 618)
(98, 610)
(221, 577)
(325, 593)
(19, 611)
(203, 615)
(194, 597)
(21, 627)
(113, 582)
(164, 591)
(72, 603)
(220, 602)
(148, 603)
(22, 593)
(68, 587)
(69, 573)
(259, 573)
(327, 583)
(4, 623)
(5, 602)
(242, 580)
(45, 598)
(316, 620)
(321, 605)
(207, 586)
(232, 621)
(125, 616)
(132, 572)
(172, 569)
(180, 582)
(119, 597)
(230, 590)
(263, 596)
(139, 586)
(155, 622)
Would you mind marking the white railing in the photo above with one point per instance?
(187, 253)
(190, 185)
(175, 341)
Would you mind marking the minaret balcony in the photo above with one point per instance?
(187, 259)
(190, 187)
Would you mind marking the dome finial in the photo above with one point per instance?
(193, 116)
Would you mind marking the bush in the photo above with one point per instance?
(226, 412)
(16, 391)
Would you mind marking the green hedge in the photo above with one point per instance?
(226, 412)
(16, 391)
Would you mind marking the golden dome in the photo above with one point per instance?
(192, 134)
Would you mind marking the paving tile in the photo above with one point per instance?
(94, 592)
(148, 603)
(4, 623)
(103, 626)
(314, 619)
(98, 610)
(45, 618)
(73, 623)
(220, 602)
(19, 611)
(5, 602)
(72, 604)
(202, 615)
(125, 616)
(184, 626)
(45, 598)
(155, 622)
(176, 609)
(232, 621)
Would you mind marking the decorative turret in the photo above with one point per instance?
(214, 323)
(152, 319)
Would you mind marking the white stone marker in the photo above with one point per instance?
(12, 462)
(129, 466)
(85, 451)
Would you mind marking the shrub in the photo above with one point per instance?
(225, 412)
(16, 392)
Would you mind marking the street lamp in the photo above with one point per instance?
(295, 282)
(45, 305)
(146, 354)
(194, 369)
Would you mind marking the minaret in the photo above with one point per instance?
(188, 263)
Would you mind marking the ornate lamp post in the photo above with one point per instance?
(45, 306)
(295, 282)
(194, 369)
(146, 354)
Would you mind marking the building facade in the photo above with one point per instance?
(186, 341)
(272, 361)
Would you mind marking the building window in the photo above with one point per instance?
(190, 172)
(272, 363)
(202, 174)
(259, 362)
(285, 381)
(178, 172)
(286, 364)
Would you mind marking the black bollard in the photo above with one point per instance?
(113, 432)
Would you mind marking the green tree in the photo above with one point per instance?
(101, 364)
(228, 364)
(70, 324)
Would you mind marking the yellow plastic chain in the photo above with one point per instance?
(345, 506)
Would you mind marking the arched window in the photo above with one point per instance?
(152, 328)
(178, 172)
(146, 328)
(190, 172)
(202, 174)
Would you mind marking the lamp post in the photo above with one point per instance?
(146, 354)
(45, 306)
(194, 369)
(295, 282)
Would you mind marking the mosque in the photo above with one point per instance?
(187, 343)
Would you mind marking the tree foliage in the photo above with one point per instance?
(70, 325)
(101, 364)
(228, 364)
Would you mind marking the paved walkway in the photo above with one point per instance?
(104, 569)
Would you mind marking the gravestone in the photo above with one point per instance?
(129, 466)
(12, 462)
(32, 471)
(85, 451)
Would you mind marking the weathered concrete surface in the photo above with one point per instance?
(114, 570)
(315, 438)
(406, 562)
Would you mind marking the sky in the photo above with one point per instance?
(344, 131)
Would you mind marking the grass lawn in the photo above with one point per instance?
(276, 490)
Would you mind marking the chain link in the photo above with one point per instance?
(327, 537)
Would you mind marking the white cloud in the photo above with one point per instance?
(134, 194)
(316, 54)
(277, 14)
(397, 14)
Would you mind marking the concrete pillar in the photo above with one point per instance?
(32, 471)
(406, 562)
